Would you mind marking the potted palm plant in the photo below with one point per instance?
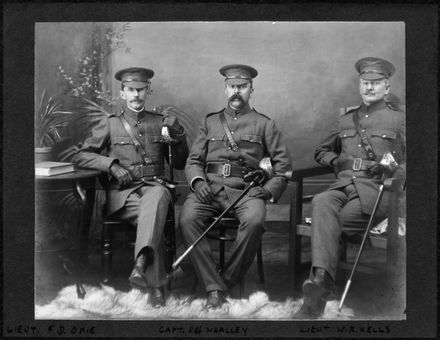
(50, 120)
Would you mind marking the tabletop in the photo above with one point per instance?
(77, 174)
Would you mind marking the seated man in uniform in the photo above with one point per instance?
(361, 137)
(231, 143)
(128, 147)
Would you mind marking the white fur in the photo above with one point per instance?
(107, 303)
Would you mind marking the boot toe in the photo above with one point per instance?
(216, 299)
(314, 298)
(137, 279)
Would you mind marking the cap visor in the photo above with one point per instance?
(237, 81)
(135, 84)
(372, 76)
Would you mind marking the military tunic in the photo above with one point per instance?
(349, 201)
(256, 136)
(143, 203)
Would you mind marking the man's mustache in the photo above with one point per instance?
(235, 96)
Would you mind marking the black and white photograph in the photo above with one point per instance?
(204, 178)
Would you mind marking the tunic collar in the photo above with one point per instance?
(136, 115)
(245, 109)
(381, 104)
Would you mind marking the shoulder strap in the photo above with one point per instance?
(232, 142)
(364, 138)
(138, 145)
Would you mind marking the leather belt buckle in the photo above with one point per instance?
(226, 170)
(357, 164)
(137, 172)
(144, 171)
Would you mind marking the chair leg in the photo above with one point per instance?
(241, 287)
(195, 283)
(222, 249)
(106, 254)
(260, 263)
(296, 261)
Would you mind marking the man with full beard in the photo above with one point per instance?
(231, 143)
(128, 147)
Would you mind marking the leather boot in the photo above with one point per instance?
(137, 277)
(216, 298)
(317, 290)
(157, 297)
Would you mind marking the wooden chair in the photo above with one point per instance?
(389, 241)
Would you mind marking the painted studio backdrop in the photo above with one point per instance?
(306, 69)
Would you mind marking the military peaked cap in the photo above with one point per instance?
(237, 74)
(372, 68)
(135, 77)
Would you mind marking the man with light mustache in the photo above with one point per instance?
(230, 144)
(353, 148)
(128, 147)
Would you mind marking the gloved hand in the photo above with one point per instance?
(334, 164)
(259, 192)
(173, 124)
(122, 175)
(203, 191)
(379, 169)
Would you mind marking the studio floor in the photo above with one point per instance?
(370, 296)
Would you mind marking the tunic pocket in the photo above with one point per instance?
(385, 134)
(214, 139)
(122, 141)
(349, 133)
(124, 149)
(252, 138)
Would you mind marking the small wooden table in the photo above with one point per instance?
(82, 183)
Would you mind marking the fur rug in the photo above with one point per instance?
(107, 303)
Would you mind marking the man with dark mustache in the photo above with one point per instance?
(230, 143)
(128, 147)
(361, 136)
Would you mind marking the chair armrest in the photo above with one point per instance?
(310, 172)
(393, 184)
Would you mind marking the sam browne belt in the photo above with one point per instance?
(357, 164)
(227, 170)
(140, 171)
